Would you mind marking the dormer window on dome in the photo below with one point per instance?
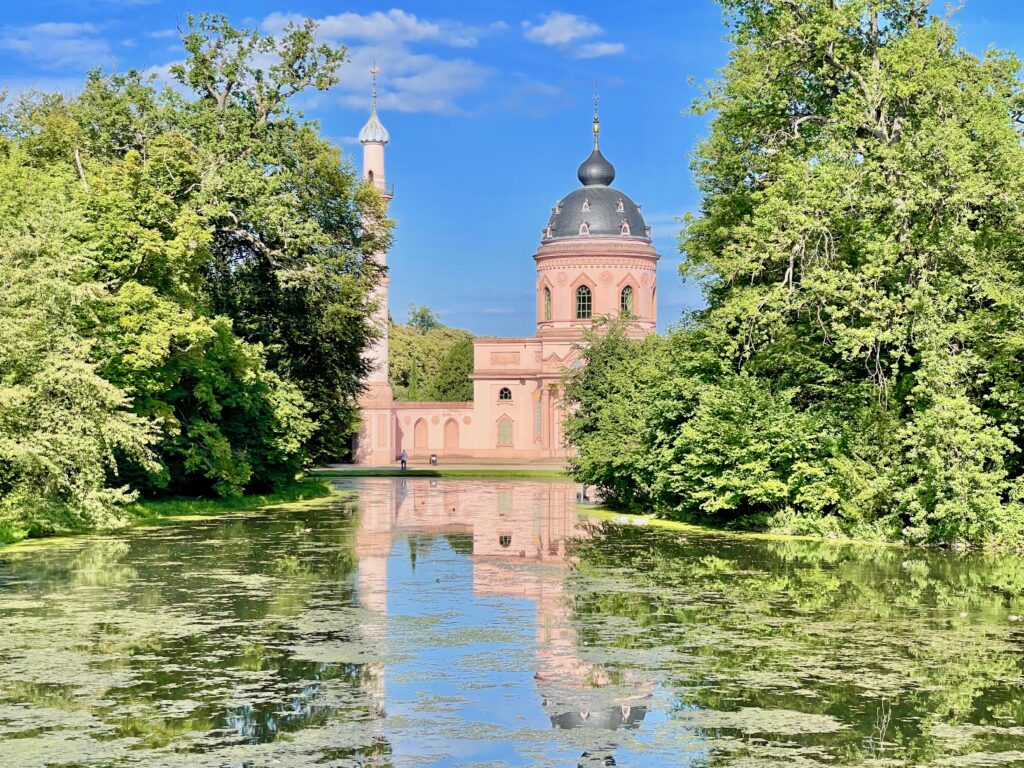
(584, 228)
(624, 229)
(586, 204)
(620, 206)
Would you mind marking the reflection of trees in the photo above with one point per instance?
(190, 638)
(909, 649)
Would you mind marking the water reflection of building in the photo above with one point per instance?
(520, 532)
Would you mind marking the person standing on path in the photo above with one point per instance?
(405, 458)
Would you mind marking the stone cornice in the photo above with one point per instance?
(597, 248)
(562, 261)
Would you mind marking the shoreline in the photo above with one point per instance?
(626, 519)
(156, 513)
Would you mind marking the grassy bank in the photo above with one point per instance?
(168, 511)
(601, 513)
(482, 474)
(150, 511)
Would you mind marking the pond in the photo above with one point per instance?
(419, 622)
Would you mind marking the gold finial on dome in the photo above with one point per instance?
(597, 120)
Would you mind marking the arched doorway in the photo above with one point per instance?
(451, 436)
(419, 438)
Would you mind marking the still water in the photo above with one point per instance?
(427, 622)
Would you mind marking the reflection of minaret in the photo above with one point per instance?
(373, 540)
(520, 531)
(376, 441)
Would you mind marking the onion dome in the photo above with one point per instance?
(374, 130)
(596, 170)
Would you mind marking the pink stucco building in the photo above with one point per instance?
(595, 259)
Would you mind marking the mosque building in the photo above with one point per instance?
(595, 259)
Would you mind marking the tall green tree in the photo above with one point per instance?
(291, 223)
(859, 242)
(222, 246)
(62, 425)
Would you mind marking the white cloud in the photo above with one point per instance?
(560, 28)
(593, 50)
(394, 26)
(57, 45)
(410, 80)
(564, 31)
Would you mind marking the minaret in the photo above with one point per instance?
(376, 441)
(373, 137)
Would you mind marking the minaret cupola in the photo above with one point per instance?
(374, 136)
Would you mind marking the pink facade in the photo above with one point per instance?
(595, 260)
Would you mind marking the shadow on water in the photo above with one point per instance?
(460, 622)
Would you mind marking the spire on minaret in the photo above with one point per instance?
(374, 131)
(597, 120)
(373, 87)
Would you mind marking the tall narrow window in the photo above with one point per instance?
(505, 433)
(584, 303)
(547, 304)
(626, 301)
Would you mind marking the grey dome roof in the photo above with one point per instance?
(604, 210)
(603, 219)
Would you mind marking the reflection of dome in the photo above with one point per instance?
(609, 719)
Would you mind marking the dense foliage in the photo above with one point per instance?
(859, 365)
(185, 282)
(428, 361)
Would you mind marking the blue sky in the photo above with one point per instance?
(488, 106)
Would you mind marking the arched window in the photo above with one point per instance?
(505, 433)
(624, 229)
(547, 304)
(584, 228)
(505, 393)
(586, 204)
(584, 303)
(505, 540)
(626, 301)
